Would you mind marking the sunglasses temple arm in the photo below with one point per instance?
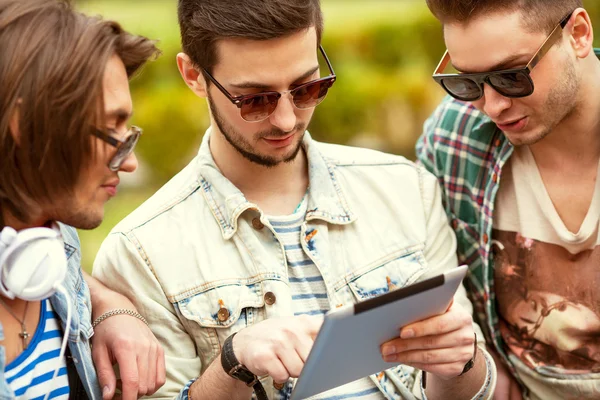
(550, 40)
(326, 60)
(221, 88)
(443, 63)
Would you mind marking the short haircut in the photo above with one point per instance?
(538, 15)
(52, 67)
(204, 22)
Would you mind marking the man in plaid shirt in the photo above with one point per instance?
(517, 152)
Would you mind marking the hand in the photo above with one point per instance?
(440, 345)
(126, 340)
(507, 387)
(277, 347)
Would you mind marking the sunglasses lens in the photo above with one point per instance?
(311, 94)
(512, 84)
(258, 108)
(124, 151)
(462, 88)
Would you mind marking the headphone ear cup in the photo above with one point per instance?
(34, 265)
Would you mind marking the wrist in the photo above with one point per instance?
(118, 311)
(233, 366)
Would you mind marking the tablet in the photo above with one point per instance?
(348, 344)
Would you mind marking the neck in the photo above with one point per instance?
(10, 220)
(276, 190)
(576, 140)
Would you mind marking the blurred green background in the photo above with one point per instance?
(383, 52)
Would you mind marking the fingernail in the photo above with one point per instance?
(387, 350)
(105, 392)
(407, 334)
(391, 358)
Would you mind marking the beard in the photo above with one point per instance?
(81, 216)
(245, 148)
(559, 106)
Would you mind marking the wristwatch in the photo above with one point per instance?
(471, 363)
(237, 370)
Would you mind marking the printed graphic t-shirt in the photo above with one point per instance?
(547, 279)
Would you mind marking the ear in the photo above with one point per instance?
(191, 76)
(581, 33)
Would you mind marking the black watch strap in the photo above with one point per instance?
(236, 370)
(471, 363)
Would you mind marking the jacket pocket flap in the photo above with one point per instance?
(392, 273)
(221, 306)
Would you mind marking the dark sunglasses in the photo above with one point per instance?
(512, 83)
(259, 106)
(124, 147)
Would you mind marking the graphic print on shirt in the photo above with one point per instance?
(549, 302)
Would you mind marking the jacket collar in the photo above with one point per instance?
(326, 199)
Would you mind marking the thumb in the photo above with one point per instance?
(105, 371)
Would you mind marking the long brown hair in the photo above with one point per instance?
(51, 74)
(204, 22)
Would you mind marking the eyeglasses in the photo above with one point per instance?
(259, 106)
(124, 147)
(512, 83)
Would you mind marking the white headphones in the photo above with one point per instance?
(32, 263)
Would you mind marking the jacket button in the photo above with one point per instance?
(495, 178)
(454, 223)
(486, 238)
(256, 224)
(270, 298)
(223, 314)
(278, 386)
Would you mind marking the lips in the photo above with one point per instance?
(280, 142)
(513, 125)
(111, 187)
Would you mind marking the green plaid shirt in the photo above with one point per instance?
(467, 152)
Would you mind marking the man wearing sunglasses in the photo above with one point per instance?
(237, 258)
(517, 150)
(64, 140)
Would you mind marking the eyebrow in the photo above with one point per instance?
(262, 86)
(509, 62)
(119, 113)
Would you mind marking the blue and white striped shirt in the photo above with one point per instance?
(30, 374)
(309, 297)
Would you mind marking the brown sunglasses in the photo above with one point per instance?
(259, 106)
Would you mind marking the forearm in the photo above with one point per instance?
(220, 386)
(478, 381)
(103, 298)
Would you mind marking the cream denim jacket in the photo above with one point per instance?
(197, 258)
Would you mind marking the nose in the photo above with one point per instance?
(494, 104)
(284, 116)
(130, 164)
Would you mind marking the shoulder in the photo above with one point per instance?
(175, 192)
(385, 174)
(456, 116)
(356, 157)
(455, 123)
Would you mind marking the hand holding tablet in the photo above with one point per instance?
(417, 325)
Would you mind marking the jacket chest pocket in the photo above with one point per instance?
(392, 272)
(215, 314)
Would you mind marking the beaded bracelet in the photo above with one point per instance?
(118, 311)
